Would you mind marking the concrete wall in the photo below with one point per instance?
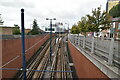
(103, 53)
(11, 52)
(84, 67)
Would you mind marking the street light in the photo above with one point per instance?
(50, 36)
(68, 27)
(68, 30)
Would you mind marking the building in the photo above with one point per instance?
(56, 28)
(115, 29)
(27, 31)
(116, 26)
(5, 30)
(110, 4)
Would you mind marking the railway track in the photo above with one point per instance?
(41, 67)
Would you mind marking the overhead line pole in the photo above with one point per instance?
(50, 37)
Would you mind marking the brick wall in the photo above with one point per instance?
(11, 50)
(85, 68)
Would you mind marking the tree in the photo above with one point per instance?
(75, 29)
(16, 29)
(36, 29)
(99, 21)
(83, 25)
(96, 22)
(115, 11)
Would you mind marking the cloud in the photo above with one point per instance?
(16, 3)
(66, 11)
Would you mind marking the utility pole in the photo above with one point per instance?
(23, 44)
(50, 37)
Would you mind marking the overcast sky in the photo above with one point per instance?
(66, 11)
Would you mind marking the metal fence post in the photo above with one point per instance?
(110, 59)
(74, 39)
(84, 42)
(78, 40)
(92, 47)
(71, 38)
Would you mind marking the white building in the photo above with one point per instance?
(55, 28)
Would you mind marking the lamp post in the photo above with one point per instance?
(68, 30)
(67, 26)
(64, 29)
(50, 36)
